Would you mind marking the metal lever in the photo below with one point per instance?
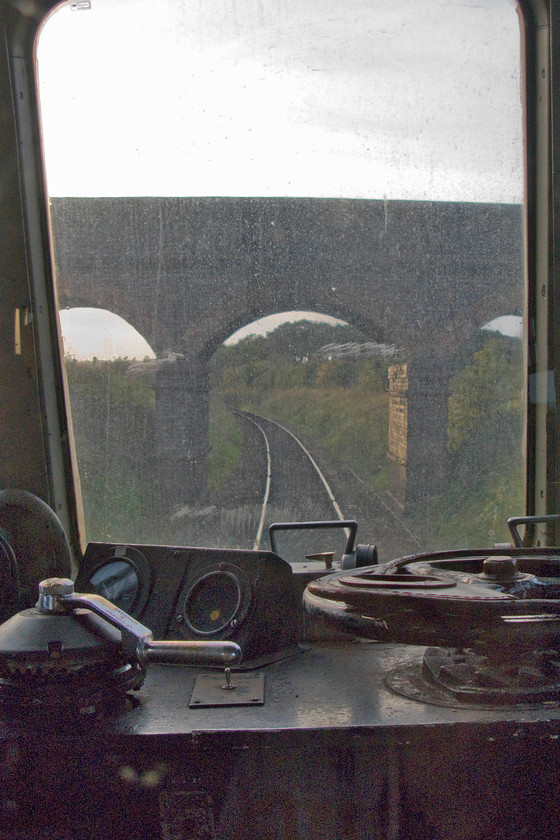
(56, 595)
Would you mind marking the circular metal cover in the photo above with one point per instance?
(56, 643)
(446, 599)
(397, 582)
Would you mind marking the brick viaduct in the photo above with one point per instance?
(421, 275)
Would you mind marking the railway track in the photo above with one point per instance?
(295, 488)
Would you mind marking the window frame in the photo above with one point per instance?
(47, 466)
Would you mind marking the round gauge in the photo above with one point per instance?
(216, 601)
(123, 578)
(118, 582)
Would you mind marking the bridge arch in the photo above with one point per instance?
(185, 272)
(89, 332)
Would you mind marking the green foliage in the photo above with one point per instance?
(487, 393)
(113, 417)
(370, 375)
(486, 466)
(111, 381)
(475, 512)
(293, 356)
(349, 424)
(225, 445)
(337, 404)
(297, 341)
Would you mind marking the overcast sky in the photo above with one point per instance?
(418, 99)
(385, 99)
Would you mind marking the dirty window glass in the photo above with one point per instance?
(288, 250)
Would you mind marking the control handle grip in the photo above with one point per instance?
(56, 595)
(203, 654)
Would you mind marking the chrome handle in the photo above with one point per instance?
(56, 595)
(203, 654)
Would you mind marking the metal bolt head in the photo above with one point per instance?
(500, 567)
(52, 595)
(56, 586)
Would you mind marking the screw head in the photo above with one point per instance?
(56, 586)
(499, 568)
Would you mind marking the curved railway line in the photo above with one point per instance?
(265, 425)
(295, 488)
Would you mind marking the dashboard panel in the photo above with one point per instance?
(191, 594)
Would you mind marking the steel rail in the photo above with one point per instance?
(334, 503)
(264, 503)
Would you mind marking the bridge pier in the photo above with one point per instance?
(418, 422)
(181, 433)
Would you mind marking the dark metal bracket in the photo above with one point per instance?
(227, 689)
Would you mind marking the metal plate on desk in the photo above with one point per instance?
(214, 690)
